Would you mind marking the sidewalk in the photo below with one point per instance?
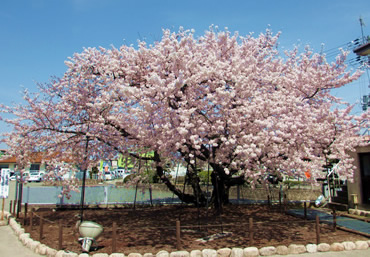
(342, 222)
(11, 246)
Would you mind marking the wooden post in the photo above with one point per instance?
(41, 227)
(251, 239)
(334, 220)
(60, 245)
(178, 239)
(14, 205)
(317, 229)
(114, 237)
(25, 214)
(2, 210)
(305, 210)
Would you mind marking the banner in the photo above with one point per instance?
(4, 183)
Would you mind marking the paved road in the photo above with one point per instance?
(11, 246)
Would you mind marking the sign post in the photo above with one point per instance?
(4, 188)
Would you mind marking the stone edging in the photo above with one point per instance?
(359, 212)
(42, 249)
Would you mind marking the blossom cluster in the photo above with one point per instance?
(235, 102)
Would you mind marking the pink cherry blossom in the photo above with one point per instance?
(235, 103)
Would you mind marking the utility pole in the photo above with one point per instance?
(364, 51)
(362, 24)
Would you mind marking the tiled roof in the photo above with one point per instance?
(12, 159)
(8, 160)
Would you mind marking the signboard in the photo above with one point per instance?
(4, 183)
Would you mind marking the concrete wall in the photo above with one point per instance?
(355, 187)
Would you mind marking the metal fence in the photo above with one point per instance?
(111, 195)
(95, 195)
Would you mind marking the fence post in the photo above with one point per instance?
(114, 237)
(178, 239)
(41, 227)
(25, 214)
(305, 210)
(251, 240)
(317, 229)
(60, 225)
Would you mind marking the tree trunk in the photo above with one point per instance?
(220, 194)
(198, 197)
(220, 181)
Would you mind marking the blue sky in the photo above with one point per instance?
(37, 36)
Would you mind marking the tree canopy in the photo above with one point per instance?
(234, 102)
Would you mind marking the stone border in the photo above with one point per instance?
(42, 249)
(359, 212)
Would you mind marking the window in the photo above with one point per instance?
(35, 167)
(4, 166)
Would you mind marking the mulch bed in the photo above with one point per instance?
(148, 229)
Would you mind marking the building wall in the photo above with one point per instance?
(355, 187)
(12, 167)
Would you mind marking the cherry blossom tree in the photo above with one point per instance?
(233, 102)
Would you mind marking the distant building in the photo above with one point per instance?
(359, 190)
(11, 163)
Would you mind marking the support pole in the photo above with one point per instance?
(15, 197)
(19, 207)
(84, 181)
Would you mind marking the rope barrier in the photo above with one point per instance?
(269, 222)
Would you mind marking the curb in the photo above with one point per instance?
(42, 249)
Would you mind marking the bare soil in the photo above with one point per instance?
(151, 229)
